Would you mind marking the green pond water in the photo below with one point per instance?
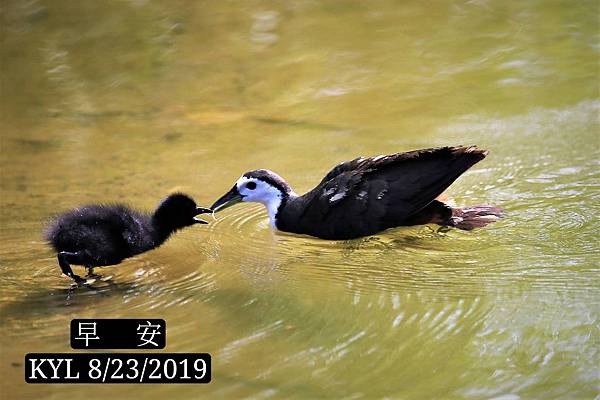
(105, 101)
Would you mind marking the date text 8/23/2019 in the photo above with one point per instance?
(117, 368)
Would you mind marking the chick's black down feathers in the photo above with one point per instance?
(108, 233)
(101, 235)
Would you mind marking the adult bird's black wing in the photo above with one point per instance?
(366, 195)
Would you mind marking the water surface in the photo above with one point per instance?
(128, 101)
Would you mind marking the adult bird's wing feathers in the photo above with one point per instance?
(344, 167)
(366, 195)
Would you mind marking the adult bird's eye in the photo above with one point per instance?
(251, 185)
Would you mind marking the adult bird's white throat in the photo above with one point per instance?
(367, 195)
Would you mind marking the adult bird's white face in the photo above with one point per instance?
(255, 190)
(252, 189)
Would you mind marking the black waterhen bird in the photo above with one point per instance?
(101, 235)
(368, 195)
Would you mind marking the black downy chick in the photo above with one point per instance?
(100, 235)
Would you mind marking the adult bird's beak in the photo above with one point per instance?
(227, 200)
(201, 210)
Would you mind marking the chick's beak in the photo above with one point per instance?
(201, 210)
(227, 200)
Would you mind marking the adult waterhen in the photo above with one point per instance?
(368, 195)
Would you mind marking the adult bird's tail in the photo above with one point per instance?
(467, 218)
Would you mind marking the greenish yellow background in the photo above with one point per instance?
(129, 100)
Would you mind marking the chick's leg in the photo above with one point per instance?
(66, 258)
